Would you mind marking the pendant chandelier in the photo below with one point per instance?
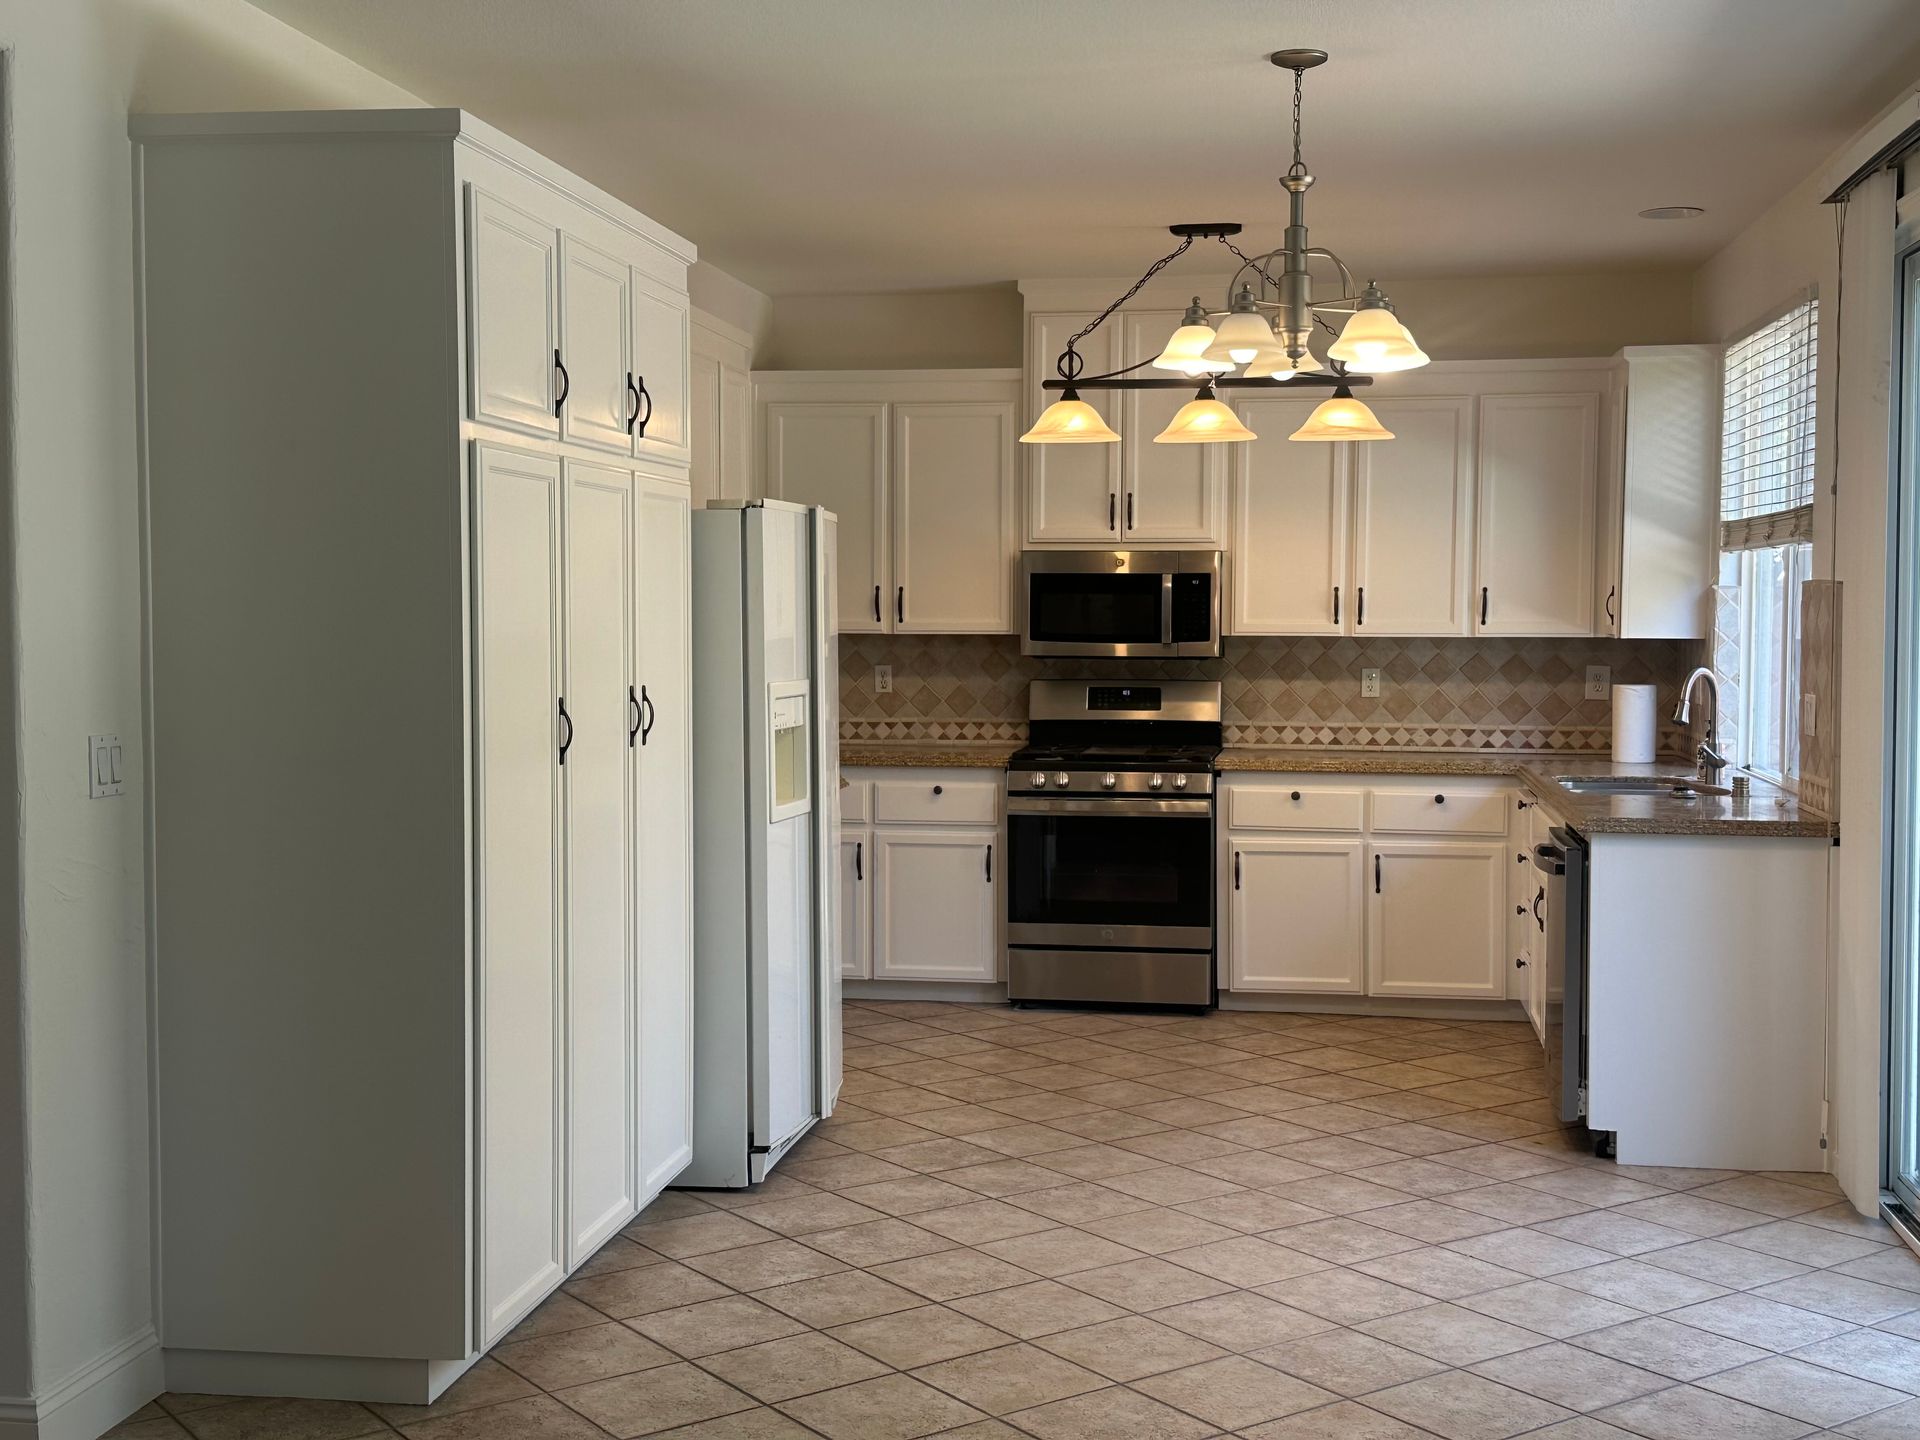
(1258, 342)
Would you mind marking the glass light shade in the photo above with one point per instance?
(1374, 342)
(1186, 352)
(1283, 368)
(1342, 418)
(1070, 421)
(1201, 421)
(1243, 337)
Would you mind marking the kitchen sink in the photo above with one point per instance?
(1682, 786)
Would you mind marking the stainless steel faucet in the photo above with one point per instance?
(1711, 762)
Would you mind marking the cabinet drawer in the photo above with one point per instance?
(1250, 808)
(1441, 812)
(854, 802)
(936, 802)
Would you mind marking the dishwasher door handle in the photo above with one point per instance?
(1550, 858)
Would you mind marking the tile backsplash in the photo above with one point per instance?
(1436, 694)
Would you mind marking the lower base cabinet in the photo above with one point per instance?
(856, 905)
(1436, 929)
(1296, 916)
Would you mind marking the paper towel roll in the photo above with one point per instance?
(1636, 724)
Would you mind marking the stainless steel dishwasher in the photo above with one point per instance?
(1563, 863)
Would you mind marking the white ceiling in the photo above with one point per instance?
(836, 145)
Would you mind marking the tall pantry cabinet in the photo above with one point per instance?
(414, 444)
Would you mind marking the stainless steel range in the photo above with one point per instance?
(1110, 881)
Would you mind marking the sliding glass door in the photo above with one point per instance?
(1903, 980)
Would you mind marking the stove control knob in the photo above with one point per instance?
(1154, 782)
(1062, 780)
(1109, 780)
(1038, 779)
(1179, 782)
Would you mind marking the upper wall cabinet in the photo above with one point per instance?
(720, 411)
(1169, 494)
(1413, 518)
(1290, 504)
(1660, 505)
(579, 340)
(919, 467)
(1539, 462)
(1073, 491)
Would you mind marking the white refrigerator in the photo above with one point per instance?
(766, 789)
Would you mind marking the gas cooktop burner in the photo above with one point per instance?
(1115, 757)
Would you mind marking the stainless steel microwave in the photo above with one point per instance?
(1134, 603)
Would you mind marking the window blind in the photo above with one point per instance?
(1767, 437)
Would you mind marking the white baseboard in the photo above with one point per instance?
(1390, 1005)
(92, 1400)
(959, 992)
(312, 1377)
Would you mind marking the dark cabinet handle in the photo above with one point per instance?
(1236, 869)
(1360, 605)
(1537, 919)
(633, 395)
(1483, 604)
(638, 712)
(646, 704)
(900, 606)
(1336, 604)
(989, 864)
(1376, 874)
(567, 720)
(1612, 622)
(858, 873)
(1522, 804)
(1519, 963)
(1519, 909)
(876, 604)
(1520, 859)
(566, 383)
(1296, 795)
(641, 418)
(1111, 502)
(939, 790)
(1439, 799)
(1130, 510)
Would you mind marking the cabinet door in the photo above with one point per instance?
(513, 320)
(1296, 915)
(520, 1245)
(1436, 927)
(1412, 520)
(1169, 494)
(1538, 466)
(953, 518)
(597, 782)
(593, 347)
(1073, 491)
(659, 330)
(663, 884)
(936, 907)
(835, 454)
(856, 905)
(1289, 525)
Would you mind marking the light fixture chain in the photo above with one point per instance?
(1069, 368)
(1299, 78)
(1249, 262)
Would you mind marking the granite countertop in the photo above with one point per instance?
(1769, 811)
(929, 753)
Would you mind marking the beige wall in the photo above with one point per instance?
(916, 330)
(75, 1251)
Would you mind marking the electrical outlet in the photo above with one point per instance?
(1369, 684)
(883, 679)
(1599, 681)
(103, 767)
(1809, 710)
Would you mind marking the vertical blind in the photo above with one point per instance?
(1767, 440)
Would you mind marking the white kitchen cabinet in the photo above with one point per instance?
(661, 735)
(1435, 927)
(1170, 495)
(1413, 518)
(953, 502)
(719, 411)
(834, 453)
(1073, 491)
(658, 324)
(856, 904)
(473, 967)
(919, 467)
(596, 767)
(513, 320)
(1296, 915)
(936, 904)
(1660, 503)
(520, 1243)
(1290, 504)
(595, 347)
(1538, 466)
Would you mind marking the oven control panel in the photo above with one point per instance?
(1109, 782)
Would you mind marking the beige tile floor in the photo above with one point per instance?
(1075, 1226)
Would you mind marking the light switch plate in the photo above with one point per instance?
(103, 767)
(1599, 681)
(1369, 684)
(883, 679)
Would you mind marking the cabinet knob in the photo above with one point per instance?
(938, 790)
(1519, 964)
(1296, 794)
(1439, 799)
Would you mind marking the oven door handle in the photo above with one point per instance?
(1128, 806)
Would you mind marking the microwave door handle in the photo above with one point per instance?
(1166, 608)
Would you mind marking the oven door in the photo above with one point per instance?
(1122, 873)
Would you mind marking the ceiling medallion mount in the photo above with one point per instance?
(1262, 332)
